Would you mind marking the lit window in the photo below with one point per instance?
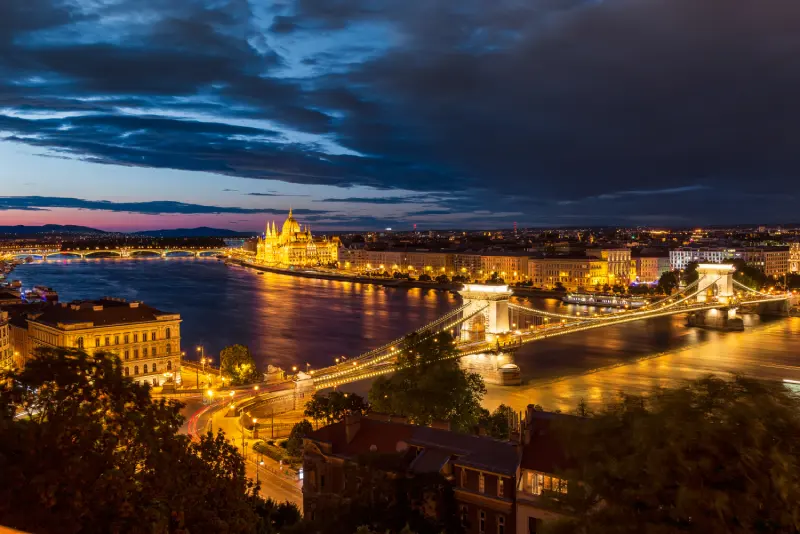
(136, 369)
(144, 352)
(97, 342)
(154, 368)
(127, 339)
(500, 487)
(481, 483)
(127, 354)
(482, 523)
(116, 340)
(169, 366)
(145, 368)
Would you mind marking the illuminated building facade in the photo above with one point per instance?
(6, 353)
(294, 245)
(794, 258)
(650, 268)
(619, 263)
(147, 340)
(573, 273)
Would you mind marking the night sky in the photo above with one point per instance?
(143, 114)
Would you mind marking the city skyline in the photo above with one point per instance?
(144, 115)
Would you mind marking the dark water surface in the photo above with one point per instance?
(290, 321)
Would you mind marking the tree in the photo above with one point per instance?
(424, 278)
(429, 386)
(752, 277)
(690, 274)
(94, 453)
(294, 445)
(498, 423)
(237, 363)
(559, 286)
(668, 282)
(714, 456)
(335, 405)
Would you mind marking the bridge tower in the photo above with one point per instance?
(493, 299)
(716, 281)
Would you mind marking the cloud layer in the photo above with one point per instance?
(549, 112)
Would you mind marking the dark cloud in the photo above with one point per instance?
(152, 207)
(273, 195)
(376, 200)
(563, 110)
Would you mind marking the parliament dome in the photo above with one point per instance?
(290, 225)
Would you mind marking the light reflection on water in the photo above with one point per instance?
(289, 321)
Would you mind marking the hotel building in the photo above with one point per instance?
(619, 263)
(571, 272)
(147, 340)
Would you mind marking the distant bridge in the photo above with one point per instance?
(123, 252)
(490, 327)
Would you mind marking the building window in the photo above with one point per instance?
(501, 525)
(481, 483)
(108, 341)
(97, 342)
(482, 523)
(145, 368)
(154, 368)
(136, 369)
(127, 339)
(153, 352)
(126, 371)
(144, 352)
(144, 336)
(464, 515)
(322, 482)
(500, 487)
(168, 333)
(169, 366)
(135, 354)
(135, 338)
(127, 354)
(463, 478)
(152, 336)
(79, 342)
(116, 340)
(169, 348)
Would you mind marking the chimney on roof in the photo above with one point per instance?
(352, 424)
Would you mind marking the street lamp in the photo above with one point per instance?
(294, 368)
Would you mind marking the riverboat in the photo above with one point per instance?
(603, 300)
(41, 293)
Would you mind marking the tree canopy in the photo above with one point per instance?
(714, 456)
(333, 406)
(84, 449)
(429, 385)
(294, 445)
(498, 423)
(237, 363)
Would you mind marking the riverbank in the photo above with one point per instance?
(342, 277)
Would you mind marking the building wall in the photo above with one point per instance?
(509, 268)
(650, 269)
(773, 261)
(573, 273)
(619, 263)
(6, 349)
(483, 506)
(794, 258)
(159, 352)
(467, 264)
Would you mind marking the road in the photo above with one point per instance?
(276, 484)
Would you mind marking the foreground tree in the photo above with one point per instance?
(237, 363)
(84, 449)
(714, 456)
(429, 385)
(333, 406)
(294, 445)
(498, 423)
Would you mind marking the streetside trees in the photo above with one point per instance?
(294, 445)
(237, 362)
(428, 385)
(84, 449)
(714, 456)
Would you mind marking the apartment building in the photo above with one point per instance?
(6, 351)
(650, 268)
(147, 340)
(773, 261)
(467, 265)
(509, 267)
(573, 273)
(794, 258)
(481, 469)
(619, 263)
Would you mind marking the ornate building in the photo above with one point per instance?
(295, 245)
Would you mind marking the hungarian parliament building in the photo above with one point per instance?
(295, 245)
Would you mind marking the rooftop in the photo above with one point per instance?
(388, 436)
(102, 312)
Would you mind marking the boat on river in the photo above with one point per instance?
(603, 300)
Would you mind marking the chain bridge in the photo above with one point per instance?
(488, 327)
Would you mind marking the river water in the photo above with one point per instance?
(290, 321)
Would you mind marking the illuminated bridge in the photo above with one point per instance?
(132, 252)
(488, 328)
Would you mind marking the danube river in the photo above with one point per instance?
(290, 321)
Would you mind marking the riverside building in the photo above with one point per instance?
(147, 340)
(295, 246)
(6, 352)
